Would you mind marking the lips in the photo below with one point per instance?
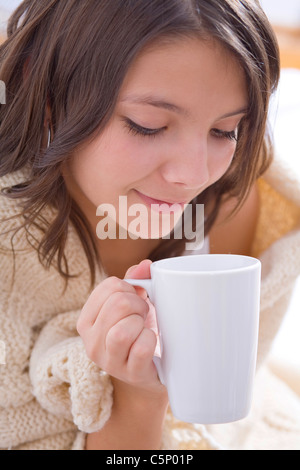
(151, 201)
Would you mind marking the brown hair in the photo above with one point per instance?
(74, 56)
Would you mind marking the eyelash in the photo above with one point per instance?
(225, 134)
(136, 129)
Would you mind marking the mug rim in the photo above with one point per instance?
(254, 263)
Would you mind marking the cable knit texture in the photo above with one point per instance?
(51, 394)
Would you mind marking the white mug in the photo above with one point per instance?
(207, 309)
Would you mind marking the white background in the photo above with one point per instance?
(284, 12)
(9, 4)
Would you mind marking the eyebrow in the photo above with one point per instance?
(159, 103)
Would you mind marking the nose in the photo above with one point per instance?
(187, 165)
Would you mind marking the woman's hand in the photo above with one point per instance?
(116, 326)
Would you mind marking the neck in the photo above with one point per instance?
(117, 256)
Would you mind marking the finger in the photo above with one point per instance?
(140, 359)
(99, 296)
(117, 307)
(140, 271)
(151, 321)
(105, 328)
(119, 340)
(130, 271)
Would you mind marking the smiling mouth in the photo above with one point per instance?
(161, 206)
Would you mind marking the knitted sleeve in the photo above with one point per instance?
(39, 337)
(65, 382)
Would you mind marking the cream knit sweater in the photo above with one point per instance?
(51, 394)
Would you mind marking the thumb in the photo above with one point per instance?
(139, 271)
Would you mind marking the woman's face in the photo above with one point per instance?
(172, 134)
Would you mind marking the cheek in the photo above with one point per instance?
(126, 157)
(104, 162)
(220, 160)
(109, 166)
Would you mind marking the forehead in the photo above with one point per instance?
(190, 72)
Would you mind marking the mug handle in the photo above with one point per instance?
(147, 285)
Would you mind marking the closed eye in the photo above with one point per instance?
(136, 129)
(230, 135)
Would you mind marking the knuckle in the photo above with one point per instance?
(116, 283)
(121, 302)
(137, 322)
(141, 352)
(111, 284)
(117, 337)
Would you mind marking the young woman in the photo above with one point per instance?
(154, 101)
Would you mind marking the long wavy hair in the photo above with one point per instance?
(73, 56)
